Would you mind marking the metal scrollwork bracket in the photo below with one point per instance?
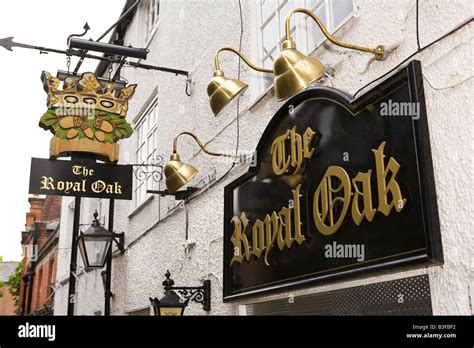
(154, 169)
(198, 294)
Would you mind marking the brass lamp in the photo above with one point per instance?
(294, 71)
(223, 91)
(178, 173)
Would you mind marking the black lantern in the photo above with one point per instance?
(95, 244)
(172, 304)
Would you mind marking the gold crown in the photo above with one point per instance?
(86, 92)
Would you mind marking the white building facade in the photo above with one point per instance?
(187, 238)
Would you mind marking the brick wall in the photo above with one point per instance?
(36, 208)
(45, 275)
(42, 211)
(51, 208)
(6, 302)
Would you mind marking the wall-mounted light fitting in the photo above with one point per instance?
(293, 71)
(178, 173)
(223, 91)
(95, 243)
(172, 304)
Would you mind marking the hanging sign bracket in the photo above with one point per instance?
(8, 44)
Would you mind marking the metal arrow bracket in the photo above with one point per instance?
(8, 44)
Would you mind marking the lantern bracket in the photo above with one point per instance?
(153, 169)
(199, 294)
(119, 239)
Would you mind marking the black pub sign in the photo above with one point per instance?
(80, 177)
(342, 186)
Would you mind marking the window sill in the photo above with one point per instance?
(140, 207)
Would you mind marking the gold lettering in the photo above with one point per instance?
(308, 136)
(69, 186)
(331, 201)
(76, 170)
(300, 147)
(60, 185)
(82, 170)
(271, 231)
(98, 186)
(299, 238)
(384, 188)
(368, 212)
(278, 150)
(76, 187)
(239, 239)
(285, 224)
(47, 183)
(277, 227)
(324, 201)
(296, 146)
(258, 238)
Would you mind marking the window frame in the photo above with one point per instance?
(139, 144)
(151, 7)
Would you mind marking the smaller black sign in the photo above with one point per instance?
(80, 177)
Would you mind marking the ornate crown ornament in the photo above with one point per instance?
(85, 116)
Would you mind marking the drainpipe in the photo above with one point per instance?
(31, 274)
(25, 289)
(31, 271)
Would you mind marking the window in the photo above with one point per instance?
(145, 149)
(152, 14)
(272, 15)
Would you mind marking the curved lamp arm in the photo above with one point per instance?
(378, 52)
(201, 145)
(218, 67)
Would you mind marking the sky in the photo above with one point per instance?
(45, 23)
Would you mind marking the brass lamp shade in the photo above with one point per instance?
(223, 91)
(294, 71)
(178, 173)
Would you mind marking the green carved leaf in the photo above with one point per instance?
(122, 128)
(48, 119)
